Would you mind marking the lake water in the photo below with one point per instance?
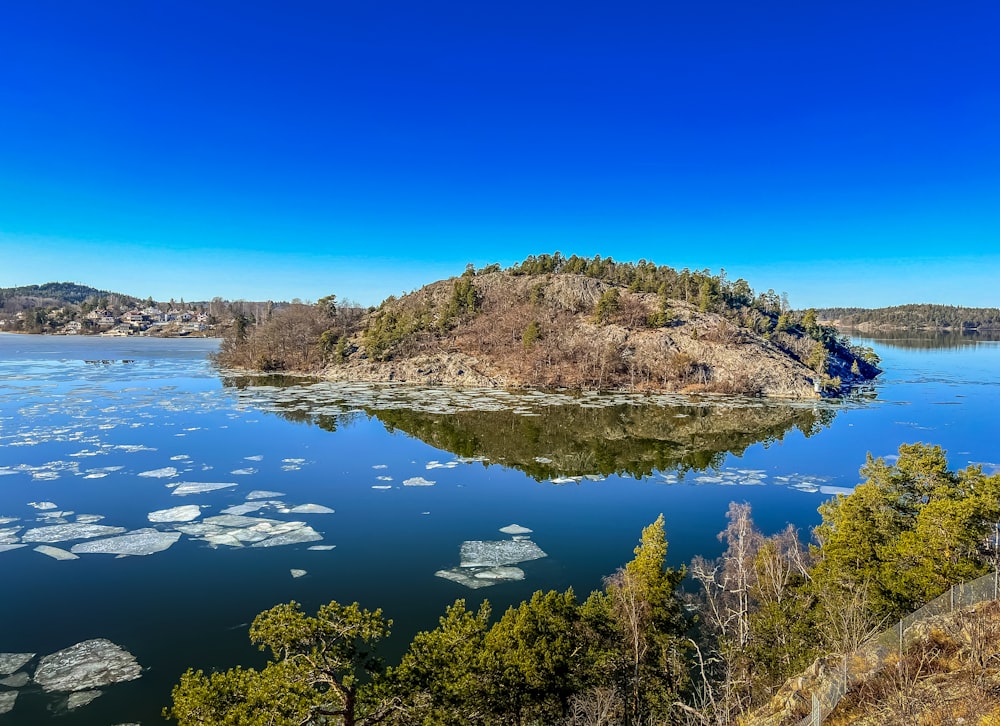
(410, 474)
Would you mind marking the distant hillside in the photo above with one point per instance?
(52, 294)
(583, 323)
(913, 317)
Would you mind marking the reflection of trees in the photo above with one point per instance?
(927, 339)
(565, 439)
(625, 439)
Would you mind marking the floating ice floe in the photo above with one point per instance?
(9, 536)
(255, 506)
(243, 472)
(7, 699)
(255, 457)
(8, 547)
(180, 457)
(374, 466)
(12, 662)
(89, 518)
(66, 532)
(298, 573)
(18, 680)
(184, 513)
(322, 548)
(85, 666)
(56, 553)
(383, 477)
(475, 578)
(309, 509)
(236, 530)
(263, 494)
(418, 481)
(480, 553)
(183, 489)
(566, 479)
(439, 465)
(138, 542)
(515, 529)
(381, 486)
(164, 473)
(43, 505)
(81, 698)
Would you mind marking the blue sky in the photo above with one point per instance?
(846, 153)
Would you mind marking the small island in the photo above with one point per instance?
(564, 322)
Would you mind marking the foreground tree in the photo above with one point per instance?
(320, 668)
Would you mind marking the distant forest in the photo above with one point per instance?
(918, 316)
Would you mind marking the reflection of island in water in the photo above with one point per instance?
(551, 435)
(621, 439)
(924, 339)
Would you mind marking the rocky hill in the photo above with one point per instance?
(563, 329)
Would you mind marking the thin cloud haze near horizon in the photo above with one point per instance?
(845, 155)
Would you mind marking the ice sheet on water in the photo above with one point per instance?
(87, 665)
(309, 509)
(298, 573)
(18, 680)
(82, 698)
(7, 699)
(475, 578)
(374, 466)
(322, 548)
(183, 489)
(381, 486)
(8, 547)
(235, 530)
(56, 553)
(184, 513)
(139, 542)
(440, 465)
(515, 529)
(67, 532)
(254, 506)
(42, 506)
(12, 662)
(263, 494)
(303, 533)
(165, 472)
(493, 553)
(244, 472)
(89, 518)
(418, 481)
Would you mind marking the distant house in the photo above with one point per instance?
(73, 327)
(121, 330)
(104, 318)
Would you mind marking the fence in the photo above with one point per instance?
(832, 687)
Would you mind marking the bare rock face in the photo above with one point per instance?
(87, 665)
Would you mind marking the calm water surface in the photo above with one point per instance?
(585, 473)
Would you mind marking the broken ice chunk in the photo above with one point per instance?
(298, 573)
(417, 481)
(7, 699)
(139, 542)
(311, 509)
(322, 548)
(164, 473)
(56, 553)
(255, 457)
(7, 547)
(515, 529)
(295, 536)
(18, 680)
(11, 662)
(43, 505)
(381, 486)
(81, 698)
(244, 472)
(479, 553)
(479, 577)
(263, 494)
(184, 513)
(87, 665)
(189, 487)
(65, 532)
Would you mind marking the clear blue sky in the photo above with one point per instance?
(847, 153)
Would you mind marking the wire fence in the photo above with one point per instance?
(842, 672)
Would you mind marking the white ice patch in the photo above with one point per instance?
(384, 478)
(374, 466)
(183, 489)
(476, 578)
(439, 465)
(381, 486)
(255, 457)
(515, 529)
(81, 698)
(12, 662)
(66, 532)
(183, 513)
(139, 542)
(298, 573)
(322, 548)
(309, 509)
(263, 494)
(418, 481)
(85, 666)
(480, 553)
(164, 473)
(7, 699)
(243, 472)
(43, 505)
(56, 553)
